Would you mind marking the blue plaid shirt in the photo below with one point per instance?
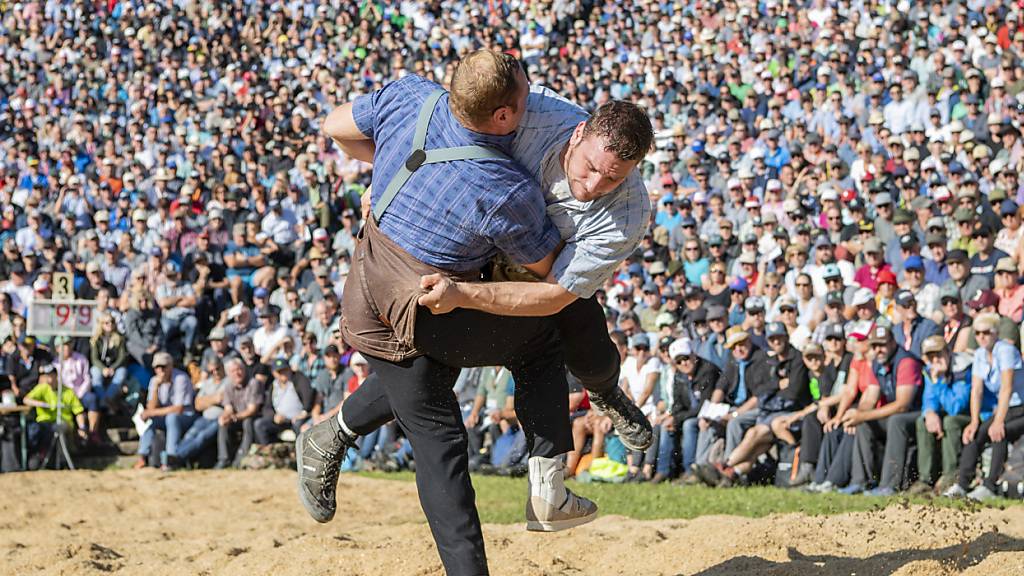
(454, 215)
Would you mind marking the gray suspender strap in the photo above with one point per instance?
(418, 157)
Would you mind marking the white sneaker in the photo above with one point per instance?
(981, 493)
(954, 491)
(551, 506)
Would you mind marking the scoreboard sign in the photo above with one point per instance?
(62, 317)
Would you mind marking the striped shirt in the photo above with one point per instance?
(599, 234)
(453, 215)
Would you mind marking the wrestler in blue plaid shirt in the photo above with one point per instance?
(510, 214)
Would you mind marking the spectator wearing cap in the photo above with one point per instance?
(913, 328)
(217, 347)
(43, 396)
(738, 292)
(987, 302)
(271, 337)
(996, 409)
(787, 314)
(986, 255)
(894, 389)
(788, 393)
(936, 267)
(885, 297)
(745, 375)
(713, 348)
(693, 382)
(73, 372)
(650, 308)
(1009, 291)
(926, 295)
(241, 400)
(289, 406)
(94, 282)
(944, 415)
(177, 300)
(867, 275)
(329, 383)
(961, 278)
(209, 400)
(754, 321)
(169, 407)
(883, 224)
(1008, 238)
(828, 383)
(956, 326)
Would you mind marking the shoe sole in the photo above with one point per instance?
(307, 503)
(559, 525)
(634, 446)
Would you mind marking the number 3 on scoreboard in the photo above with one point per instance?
(63, 285)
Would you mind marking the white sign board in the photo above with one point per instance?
(62, 317)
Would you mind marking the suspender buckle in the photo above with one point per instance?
(415, 160)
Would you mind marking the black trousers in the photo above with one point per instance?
(418, 394)
(811, 434)
(971, 454)
(466, 338)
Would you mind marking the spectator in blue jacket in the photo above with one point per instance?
(947, 397)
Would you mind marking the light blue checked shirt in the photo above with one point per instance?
(454, 215)
(599, 234)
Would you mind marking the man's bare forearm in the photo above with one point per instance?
(514, 298)
(341, 127)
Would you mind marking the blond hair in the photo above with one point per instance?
(484, 81)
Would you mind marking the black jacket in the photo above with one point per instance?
(302, 387)
(797, 393)
(689, 393)
(758, 377)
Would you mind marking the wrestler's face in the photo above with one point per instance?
(592, 169)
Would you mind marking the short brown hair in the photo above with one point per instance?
(484, 81)
(626, 128)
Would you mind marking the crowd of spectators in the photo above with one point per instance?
(832, 271)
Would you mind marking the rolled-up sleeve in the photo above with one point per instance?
(363, 113)
(609, 235)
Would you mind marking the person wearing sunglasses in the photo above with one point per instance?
(944, 415)
(996, 412)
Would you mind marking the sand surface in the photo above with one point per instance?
(154, 523)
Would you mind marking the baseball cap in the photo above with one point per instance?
(872, 244)
(905, 298)
(879, 335)
(776, 329)
(260, 292)
(835, 330)
(664, 319)
(1006, 265)
(216, 334)
(754, 303)
(734, 336)
(716, 312)
(863, 296)
(738, 285)
(681, 347)
(983, 299)
(280, 364)
(162, 359)
(933, 344)
(639, 340)
(913, 262)
(834, 298)
(957, 256)
(813, 349)
(886, 276)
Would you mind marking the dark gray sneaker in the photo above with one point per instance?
(633, 427)
(318, 455)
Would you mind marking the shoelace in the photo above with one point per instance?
(330, 477)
